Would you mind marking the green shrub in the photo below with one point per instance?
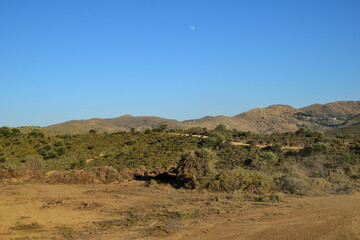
(220, 128)
(77, 164)
(344, 158)
(59, 143)
(16, 131)
(60, 150)
(265, 161)
(276, 147)
(294, 184)
(196, 169)
(320, 147)
(93, 131)
(5, 131)
(214, 140)
(51, 154)
(131, 142)
(301, 132)
(109, 154)
(36, 133)
(307, 150)
(242, 179)
(228, 181)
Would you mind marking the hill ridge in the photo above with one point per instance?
(273, 118)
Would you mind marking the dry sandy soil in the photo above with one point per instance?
(130, 210)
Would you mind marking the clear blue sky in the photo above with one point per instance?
(71, 59)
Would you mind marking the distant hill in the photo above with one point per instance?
(282, 118)
(350, 127)
(275, 118)
(332, 114)
(123, 123)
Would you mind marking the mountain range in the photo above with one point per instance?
(335, 117)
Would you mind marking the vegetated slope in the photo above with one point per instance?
(282, 118)
(351, 127)
(332, 114)
(314, 165)
(123, 123)
(275, 118)
(269, 119)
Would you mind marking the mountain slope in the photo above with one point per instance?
(275, 118)
(333, 114)
(284, 118)
(351, 127)
(123, 123)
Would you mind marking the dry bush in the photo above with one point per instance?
(31, 226)
(4, 174)
(72, 177)
(33, 163)
(196, 169)
(23, 174)
(243, 180)
(106, 174)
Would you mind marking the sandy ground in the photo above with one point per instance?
(132, 211)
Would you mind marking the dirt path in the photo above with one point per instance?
(336, 217)
(132, 211)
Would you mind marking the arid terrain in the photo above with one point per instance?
(177, 183)
(179, 120)
(130, 210)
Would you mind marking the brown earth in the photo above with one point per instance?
(129, 210)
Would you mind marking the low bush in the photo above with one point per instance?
(196, 169)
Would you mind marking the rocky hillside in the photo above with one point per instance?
(332, 114)
(275, 118)
(282, 118)
(350, 127)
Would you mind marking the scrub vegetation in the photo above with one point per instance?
(303, 162)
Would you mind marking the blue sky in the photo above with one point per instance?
(73, 59)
